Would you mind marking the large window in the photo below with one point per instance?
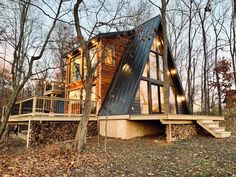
(151, 86)
(78, 67)
(153, 65)
(160, 68)
(145, 72)
(144, 101)
(75, 69)
(172, 101)
(162, 99)
(80, 94)
(155, 99)
(109, 58)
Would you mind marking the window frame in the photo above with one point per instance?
(113, 56)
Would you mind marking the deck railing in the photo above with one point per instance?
(56, 87)
(50, 106)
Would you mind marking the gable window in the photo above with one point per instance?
(75, 69)
(172, 101)
(78, 67)
(155, 99)
(144, 100)
(151, 90)
(160, 68)
(153, 65)
(109, 58)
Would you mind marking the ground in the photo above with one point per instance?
(149, 156)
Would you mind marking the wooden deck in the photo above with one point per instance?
(49, 109)
(165, 119)
(45, 117)
(169, 117)
(61, 109)
(168, 120)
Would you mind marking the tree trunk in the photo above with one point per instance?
(205, 69)
(80, 138)
(234, 51)
(189, 80)
(165, 57)
(9, 108)
(217, 80)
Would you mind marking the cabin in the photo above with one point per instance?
(127, 93)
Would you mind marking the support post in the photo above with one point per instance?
(28, 133)
(20, 107)
(34, 106)
(168, 133)
(69, 109)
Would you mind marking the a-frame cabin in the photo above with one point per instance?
(130, 76)
(128, 84)
(127, 93)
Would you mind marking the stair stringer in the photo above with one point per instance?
(211, 130)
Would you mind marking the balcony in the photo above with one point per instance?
(54, 88)
(49, 108)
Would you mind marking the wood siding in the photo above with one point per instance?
(105, 71)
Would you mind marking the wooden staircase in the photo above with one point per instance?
(212, 126)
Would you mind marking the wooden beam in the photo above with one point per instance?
(193, 117)
(28, 134)
(148, 117)
(168, 133)
(115, 117)
(165, 121)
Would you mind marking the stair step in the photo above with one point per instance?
(223, 134)
(218, 129)
(206, 121)
(213, 125)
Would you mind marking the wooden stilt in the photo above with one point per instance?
(168, 133)
(28, 134)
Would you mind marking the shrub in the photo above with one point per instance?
(230, 120)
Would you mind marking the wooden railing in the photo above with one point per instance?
(54, 87)
(50, 106)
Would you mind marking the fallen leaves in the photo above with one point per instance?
(201, 156)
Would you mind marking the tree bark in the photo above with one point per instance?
(205, 65)
(80, 138)
(189, 73)
(217, 77)
(233, 55)
(165, 57)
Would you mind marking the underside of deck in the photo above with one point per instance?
(165, 118)
(129, 126)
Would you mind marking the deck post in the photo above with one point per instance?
(34, 106)
(28, 133)
(69, 109)
(20, 106)
(168, 133)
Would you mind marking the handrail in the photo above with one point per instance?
(24, 100)
(47, 98)
(50, 106)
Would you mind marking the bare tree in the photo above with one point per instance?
(112, 21)
(203, 17)
(20, 36)
(63, 40)
(134, 14)
(218, 24)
